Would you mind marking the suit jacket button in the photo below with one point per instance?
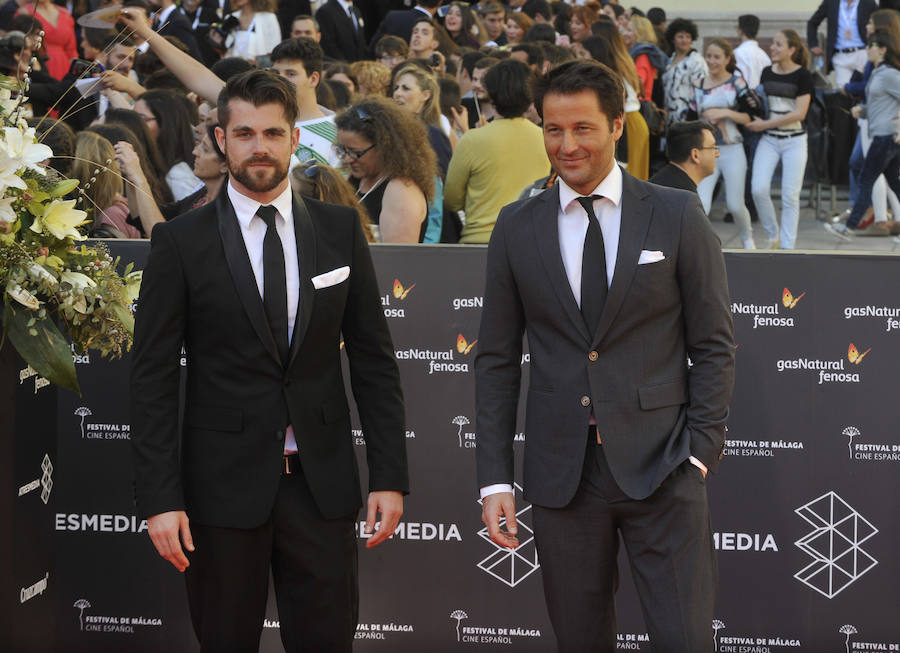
(279, 435)
(585, 401)
(593, 356)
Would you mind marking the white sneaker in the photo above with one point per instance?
(748, 243)
(839, 230)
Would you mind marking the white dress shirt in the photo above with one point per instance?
(572, 225)
(848, 35)
(253, 229)
(751, 59)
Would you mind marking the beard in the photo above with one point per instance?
(260, 180)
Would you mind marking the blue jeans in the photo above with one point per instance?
(856, 164)
(791, 152)
(883, 158)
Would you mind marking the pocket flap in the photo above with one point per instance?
(215, 418)
(658, 395)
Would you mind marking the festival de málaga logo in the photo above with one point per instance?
(442, 361)
(830, 371)
(398, 293)
(770, 315)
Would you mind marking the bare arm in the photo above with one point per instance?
(193, 74)
(402, 211)
(140, 198)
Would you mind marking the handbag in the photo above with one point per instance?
(753, 102)
(653, 116)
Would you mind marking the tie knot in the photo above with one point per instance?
(587, 202)
(267, 213)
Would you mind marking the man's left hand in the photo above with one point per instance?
(390, 504)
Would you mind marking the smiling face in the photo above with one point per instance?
(715, 59)
(258, 143)
(579, 140)
(408, 95)
(578, 30)
(780, 51)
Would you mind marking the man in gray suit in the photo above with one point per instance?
(621, 288)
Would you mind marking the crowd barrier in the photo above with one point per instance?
(804, 508)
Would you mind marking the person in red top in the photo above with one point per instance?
(649, 60)
(59, 35)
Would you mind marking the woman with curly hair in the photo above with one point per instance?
(686, 69)
(372, 77)
(387, 153)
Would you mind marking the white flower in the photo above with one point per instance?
(133, 285)
(77, 280)
(7, 213)
(60, 219)
(9, 171)
(40, 273)
(6, 102)
(22, 296)
(23, 145)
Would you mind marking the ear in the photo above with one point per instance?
(295, 139)
(314, 79)
(618, 127)
(220, 139)
(695, 156)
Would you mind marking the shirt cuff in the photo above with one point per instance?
(696, 461)
(495, 489)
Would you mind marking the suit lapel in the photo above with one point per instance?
(546, 229)
(242, 273)
(636, 215)
(305, 235)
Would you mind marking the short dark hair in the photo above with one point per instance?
(26, 23)
(429, 4)
(425, 19)
(533, 51)
(258, 87)
(683, 137)
(306, 17)
(576, 76)
(656, 15)
(749, 25)
(618, 10)
(637, 12)
(485, 62)
(540, 32)
(681, 25)
(532, 8)
(228, 67)
(302, 49)
(507, 85)
(390, 44)
(555, 54)
(95, 36)
(469, 59)
(491, 7)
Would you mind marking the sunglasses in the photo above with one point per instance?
(311, 168)
(355, 155)
(875, 44)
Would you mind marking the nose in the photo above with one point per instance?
(569, 142)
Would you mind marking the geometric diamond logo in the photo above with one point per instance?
(512, 566)
(834, 544)
(46, 479)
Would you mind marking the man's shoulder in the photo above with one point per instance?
(523, 208)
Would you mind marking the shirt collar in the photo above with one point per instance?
(610, 188)
(245, 207)
(346, 4)
(163, 14)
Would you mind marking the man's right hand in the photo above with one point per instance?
(168, 530)
(495, 506)
(817, 51)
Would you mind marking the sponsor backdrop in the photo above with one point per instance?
(804, 507)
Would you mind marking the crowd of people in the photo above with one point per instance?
(422, 118)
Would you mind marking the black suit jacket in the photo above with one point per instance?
(398, 23)
(653, 410)
(204, 16)
(672, 176)
(341, 40)
(830, 9)
(177, 25)
(199, 289)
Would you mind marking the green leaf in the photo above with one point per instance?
(48, 352)
(64, 187)
(125, 316)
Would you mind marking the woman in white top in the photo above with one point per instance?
(258, 31)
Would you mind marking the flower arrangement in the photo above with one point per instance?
(48, 277)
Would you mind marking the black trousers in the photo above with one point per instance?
(314, 565)
(670, 549)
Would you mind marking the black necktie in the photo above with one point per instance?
(274, 282)
(593, 268)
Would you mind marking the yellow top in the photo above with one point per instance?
(490, 168)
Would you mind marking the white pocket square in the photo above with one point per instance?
(648, 256)
(331, 278)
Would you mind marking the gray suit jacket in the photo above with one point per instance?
(653, 410)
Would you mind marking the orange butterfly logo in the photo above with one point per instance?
(854, 356)
(462, 346)
(789, 300)
(399, 291)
